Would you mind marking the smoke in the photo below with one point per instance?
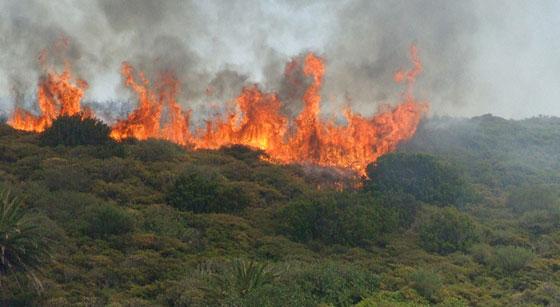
(478, 57)
(372, 40)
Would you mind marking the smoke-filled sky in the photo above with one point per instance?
(500, 57)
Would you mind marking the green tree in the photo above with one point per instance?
(447, 230)
(76, 130)
(22, 246)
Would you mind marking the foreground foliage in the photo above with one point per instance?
(23, 248)
(465, 214)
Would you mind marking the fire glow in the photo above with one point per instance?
(257, 120)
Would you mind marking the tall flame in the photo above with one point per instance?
(257, 120)
(57, 94)
(147, 120)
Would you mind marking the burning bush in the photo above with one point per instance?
(76, 130)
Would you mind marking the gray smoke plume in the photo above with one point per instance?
(478, 57)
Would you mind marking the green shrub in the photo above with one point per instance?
(385, 298)
(241, 278)
(342, 218)
(405, 206)
(529, 198)
(76, 130)
(23, 244)
(165, 220)
(447, 230)
(243, 153)
(106, 220)
(336, 284)
(482, 253)
(546, 294)
(305, 284)
(425, 177)
(426, 283)
(540, 222)
(60, 175)
(510, 259)
(152, 150)
(201, 190)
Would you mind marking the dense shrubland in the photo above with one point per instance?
(466, 213)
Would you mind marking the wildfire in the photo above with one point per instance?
(257, 121)
(57, 94)
(147, 120)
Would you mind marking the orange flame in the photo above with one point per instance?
(57, 95)
(257, 120)
(259, 123)
(148, 120)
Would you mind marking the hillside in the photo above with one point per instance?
(465, 214)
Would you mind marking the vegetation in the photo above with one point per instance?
(76, 130)
(509, 259)
(446, 231)
(426, 283)
(464, 214)
(22, 246)
(425, 177)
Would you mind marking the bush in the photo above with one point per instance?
(510, 259)
(405, 206)
(343, 218)
(23, 244)
(482, 253)
(202, 191)
(426, 283)
(60, 175)
(425, 177)
(540, 222)
(447, 230)
(242, 278)
(334, 284)
(386, 298)
(152, 150)
(243, 153)
(533, 198)
(76, 130)
(107, 220)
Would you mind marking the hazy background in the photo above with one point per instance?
(500, 57)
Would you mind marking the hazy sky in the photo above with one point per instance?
(500, 57)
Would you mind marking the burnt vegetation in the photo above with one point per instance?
(465, 213)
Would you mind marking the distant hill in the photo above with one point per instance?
(510, 151)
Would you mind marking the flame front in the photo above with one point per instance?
(147, 120)
(57, 95)
(257, 120)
